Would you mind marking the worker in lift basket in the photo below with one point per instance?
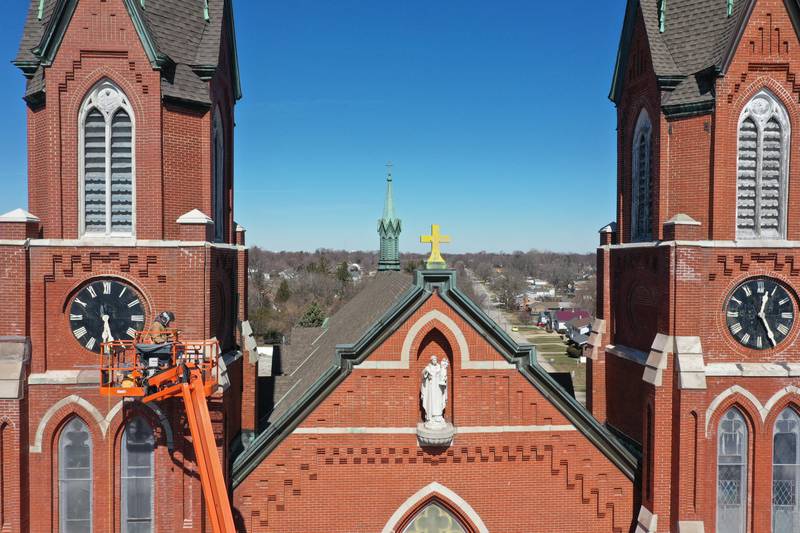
(157, 334)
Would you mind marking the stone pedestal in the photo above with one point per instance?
(435, 435)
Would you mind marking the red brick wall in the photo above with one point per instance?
(358, 481)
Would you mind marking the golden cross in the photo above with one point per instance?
(435, 239)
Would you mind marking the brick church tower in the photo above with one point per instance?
(130, 144)
(695, 353)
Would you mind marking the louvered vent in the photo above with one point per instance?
(762, 169)
(771, 165)
(121, 173)
(641, 188)
(746, 178)
(95, 172)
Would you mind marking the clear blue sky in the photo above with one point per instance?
(495, 114)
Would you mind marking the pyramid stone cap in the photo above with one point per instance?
(195, 216)
(682, 219)
(18, 215)
(239, 227)
(611, 227)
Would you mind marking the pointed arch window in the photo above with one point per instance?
(218, 169)
(786, 472)
(732, 473)
(75, 478)
(137, 488)
(641, 186)
(434, 517)
(762, 169)
(106, 143)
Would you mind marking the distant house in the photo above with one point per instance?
(561, 317)
(578, 330)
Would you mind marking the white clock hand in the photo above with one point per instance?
(762, 315)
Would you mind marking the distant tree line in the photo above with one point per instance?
(288, 289)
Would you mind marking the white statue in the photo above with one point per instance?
(433, 392)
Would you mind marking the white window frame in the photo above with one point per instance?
(644, 126)
(108, 104)
(760, 115)
(218, 175)
(785, 514)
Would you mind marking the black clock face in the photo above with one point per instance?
(105, 306)
(760, 313)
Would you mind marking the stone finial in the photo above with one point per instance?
(196, 226)
(389, 228)
(18, 225)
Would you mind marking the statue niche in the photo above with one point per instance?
(434, 391)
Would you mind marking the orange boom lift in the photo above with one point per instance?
(175, 369)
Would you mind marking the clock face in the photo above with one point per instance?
(105, 302)
(760, 313)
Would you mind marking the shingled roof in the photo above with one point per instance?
(695, 46)
(310, 351)
(181, 38)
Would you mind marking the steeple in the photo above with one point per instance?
(389, 229)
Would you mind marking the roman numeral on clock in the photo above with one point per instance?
(106, 287)
(131, 333)
(760, 289)
(783, 329)
(787, 315)
(134, 303)
(747, 291)
(91, 291)
(745, 338)
(80, 302)
(91, 343)
(80, 332)
(736, 328)
(733, 314)
(137, 318)
(784, 301)
(75, 317)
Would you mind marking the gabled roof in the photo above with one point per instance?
(696, 44)
(179, 37)
(357, 334)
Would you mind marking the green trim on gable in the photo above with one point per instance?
(346, 357)
(234, 54)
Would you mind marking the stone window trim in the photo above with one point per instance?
(763, 108)
(75, 474)
(108, 98)
(786, 471)
(641, 204)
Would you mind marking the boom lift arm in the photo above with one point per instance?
(175, 369)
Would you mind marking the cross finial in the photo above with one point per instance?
(435, 239)
(388, 171)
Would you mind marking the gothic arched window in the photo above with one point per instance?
(75, 478)
(137, 488)
(731, 473)
(106, 143)
(786, 473)
(762, 169)
(641, 183)
(434, 517)
(218, 178)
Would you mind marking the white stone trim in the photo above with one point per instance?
(413, 430)
(449, 323)
(195, 216)
(782, 393)
(426, 492)
(779, 370)
(745, 243)
(647, 521)
(722, 396)
(18, 215)
(682, 219)
(65, 377)
(36, 447)
(120, 242)
(691, 526)
(657, 359)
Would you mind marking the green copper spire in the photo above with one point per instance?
(389, 227)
